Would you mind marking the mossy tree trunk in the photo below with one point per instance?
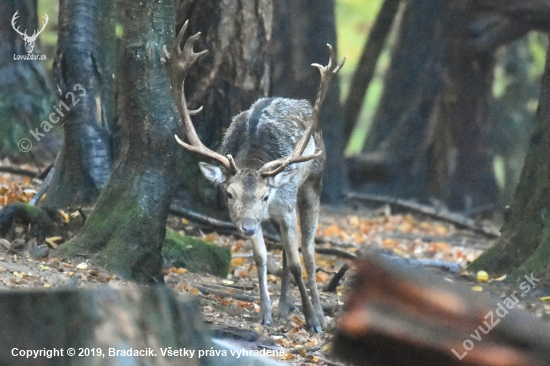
(302, 30)
(524, 246)
(229, 78)
(83, 71)
(127, 226)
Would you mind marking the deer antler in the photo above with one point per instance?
(178, 63)
(35, 35)
(13, 19)
(327, 73)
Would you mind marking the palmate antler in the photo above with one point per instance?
(178, 63)
(274, 167)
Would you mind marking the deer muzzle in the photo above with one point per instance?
(248, 226)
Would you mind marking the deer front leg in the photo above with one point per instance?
(308, 205)
(260, 258)
(285, 300)
(289, 236)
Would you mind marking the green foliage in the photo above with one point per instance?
(196, 255)
(354, 19)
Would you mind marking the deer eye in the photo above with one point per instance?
(265, 198)
(229, 195)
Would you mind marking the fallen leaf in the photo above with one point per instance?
(237, 261)
(482, 276)
(477, 288)
(53, 241)
(64, 215)
(321, 277)
(82, 265)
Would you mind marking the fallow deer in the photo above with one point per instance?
(270, 169)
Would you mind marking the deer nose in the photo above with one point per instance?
(248, 226)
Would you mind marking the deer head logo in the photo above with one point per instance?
(29, 40)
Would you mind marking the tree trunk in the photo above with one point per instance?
(127, 226)
(230, 77)
(26, 90)
(394, 161)
(302, 30)
(100, 320)
(523, 247)
(461, 156)
(430, 134)
(83, 70)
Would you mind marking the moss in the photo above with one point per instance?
(196, 255)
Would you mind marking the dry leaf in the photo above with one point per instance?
(237, 261)
(64, 215)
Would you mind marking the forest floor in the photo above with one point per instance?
(230, 305)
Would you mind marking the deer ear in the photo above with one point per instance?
(282, 178)
(212, 172)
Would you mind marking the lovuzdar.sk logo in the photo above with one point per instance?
(29, 40)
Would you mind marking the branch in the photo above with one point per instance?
(18, 171)
(450, 217)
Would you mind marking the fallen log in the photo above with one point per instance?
(403, 315)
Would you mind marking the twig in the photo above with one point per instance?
(203, 219)
(335, 281)
(236, 295)
(450, 217)
(44, 187)
(18, 171)
(328, 251)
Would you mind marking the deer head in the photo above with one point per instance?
(247, 190)
(29, 40)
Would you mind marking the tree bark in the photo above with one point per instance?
(302, 30)
(127, 226)
(26, 89)
(132, 317)
(394, 161)
(83, 71)
(430, 134)
(523, 246)
(230, 77)
(461, 155)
